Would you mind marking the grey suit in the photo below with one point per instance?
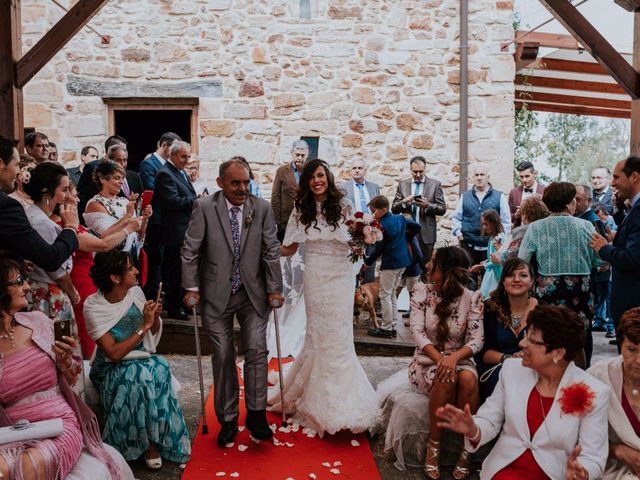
(373, 189)
(207, 262)
(433, 194)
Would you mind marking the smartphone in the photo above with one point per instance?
(146, 197)
(417, 197)
(61, 328)
(159, 295)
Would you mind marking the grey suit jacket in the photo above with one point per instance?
(433, 194)
(348, 186)
(207, 253)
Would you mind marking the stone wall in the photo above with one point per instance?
(377, 79)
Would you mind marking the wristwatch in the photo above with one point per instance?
(141, 332)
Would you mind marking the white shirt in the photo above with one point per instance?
(159, 157)
(529, 194)
(356, 195)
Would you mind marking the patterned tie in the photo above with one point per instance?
(362, 198)
(125, 189)
(235, 234)
(416, 209)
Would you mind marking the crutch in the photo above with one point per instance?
(205, 429)
(276, 304)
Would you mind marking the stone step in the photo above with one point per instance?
(178, 337)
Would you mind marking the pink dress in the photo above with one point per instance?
(29, 389)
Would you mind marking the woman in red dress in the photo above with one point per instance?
(550, 417)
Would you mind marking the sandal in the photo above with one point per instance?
(462, 471)
(432, 472)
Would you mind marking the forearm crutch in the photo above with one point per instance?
(205, 429)
(276, 304)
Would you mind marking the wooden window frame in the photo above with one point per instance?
(120, 104)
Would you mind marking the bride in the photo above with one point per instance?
(326, 388)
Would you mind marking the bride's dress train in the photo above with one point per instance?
(326, 388)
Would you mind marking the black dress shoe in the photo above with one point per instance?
(257, 424)
(380, 332)
(227, 434)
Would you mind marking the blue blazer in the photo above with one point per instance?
(624, 257)
(174, 195)
(394, 248)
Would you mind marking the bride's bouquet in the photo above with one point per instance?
(364, 230)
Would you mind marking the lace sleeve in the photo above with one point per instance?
(295, 230)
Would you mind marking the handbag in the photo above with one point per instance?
(23, 430)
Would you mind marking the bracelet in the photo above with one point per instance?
(126, 231)
(71, 365)
(476, 437)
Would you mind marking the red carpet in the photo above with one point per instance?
(345, 455)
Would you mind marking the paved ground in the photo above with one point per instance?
(377, 368)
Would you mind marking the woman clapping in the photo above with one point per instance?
(549, 416)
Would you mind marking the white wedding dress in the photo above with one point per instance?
(326, 388)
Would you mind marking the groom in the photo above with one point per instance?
(231, 260)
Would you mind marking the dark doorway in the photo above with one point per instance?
(143, 128)
(313, 146)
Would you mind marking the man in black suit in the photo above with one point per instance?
(17, 238)
(624, 253)
(174, 195)
(132, 184)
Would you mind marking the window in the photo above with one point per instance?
(313, 146)
(305, 9)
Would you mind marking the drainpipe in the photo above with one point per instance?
(464, 96)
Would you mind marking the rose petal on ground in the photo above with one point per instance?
(242, 448)
(273, 427)
(335, 471)
(326, 464)
(255, 440)
(289, 445)
(355, 443)
(284, 429)
(241, 428)
(337, 463)
(234, 475)
(313, 476)
(221, 474)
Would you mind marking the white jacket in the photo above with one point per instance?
(505, 414)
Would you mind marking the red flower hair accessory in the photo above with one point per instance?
(576, 399)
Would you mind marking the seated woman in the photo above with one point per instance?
(446, 323)
(142, 413)
(549, 415)
(35, 373)
(505, 322)
(622, 375)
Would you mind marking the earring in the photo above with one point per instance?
(555, 361)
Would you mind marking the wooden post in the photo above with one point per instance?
(11, 106)
(634, 147)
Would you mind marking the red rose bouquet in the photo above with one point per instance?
(364, 230)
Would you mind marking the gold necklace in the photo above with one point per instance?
(635, 391)
(10, 335)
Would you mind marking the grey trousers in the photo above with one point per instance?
(254, 341)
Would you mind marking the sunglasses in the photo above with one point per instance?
(19, 281)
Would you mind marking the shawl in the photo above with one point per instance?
(609, 371)
(101, 316)
(41, 327)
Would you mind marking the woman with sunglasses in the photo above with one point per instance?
(550, 416)
(35, 377)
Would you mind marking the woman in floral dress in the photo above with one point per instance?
(446, 323)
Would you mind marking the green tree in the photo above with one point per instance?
(527, 147)
(564, 137)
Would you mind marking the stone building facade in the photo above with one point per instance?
(377, 79)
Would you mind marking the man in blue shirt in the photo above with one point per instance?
(397, 232)
(624, 253)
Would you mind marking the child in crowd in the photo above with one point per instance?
(491, 227)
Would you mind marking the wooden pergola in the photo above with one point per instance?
(568, 84)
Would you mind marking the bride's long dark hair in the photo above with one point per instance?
(305, 202)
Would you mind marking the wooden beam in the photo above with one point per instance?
(569, 16)
(573, 100)
(574, 110)
(11, 105)
(629, 5)
(56, 38)
(571, 66)
(552, 40)
(568, 84)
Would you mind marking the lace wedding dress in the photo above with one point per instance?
(326, 388)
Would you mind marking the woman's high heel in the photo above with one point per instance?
(462, 471)
(432, 472)
(153, 463)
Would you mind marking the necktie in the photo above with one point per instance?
(415, 209)
(362, 198)
(125, 189)
(184, 175)
(528, 190)
(235, 235)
